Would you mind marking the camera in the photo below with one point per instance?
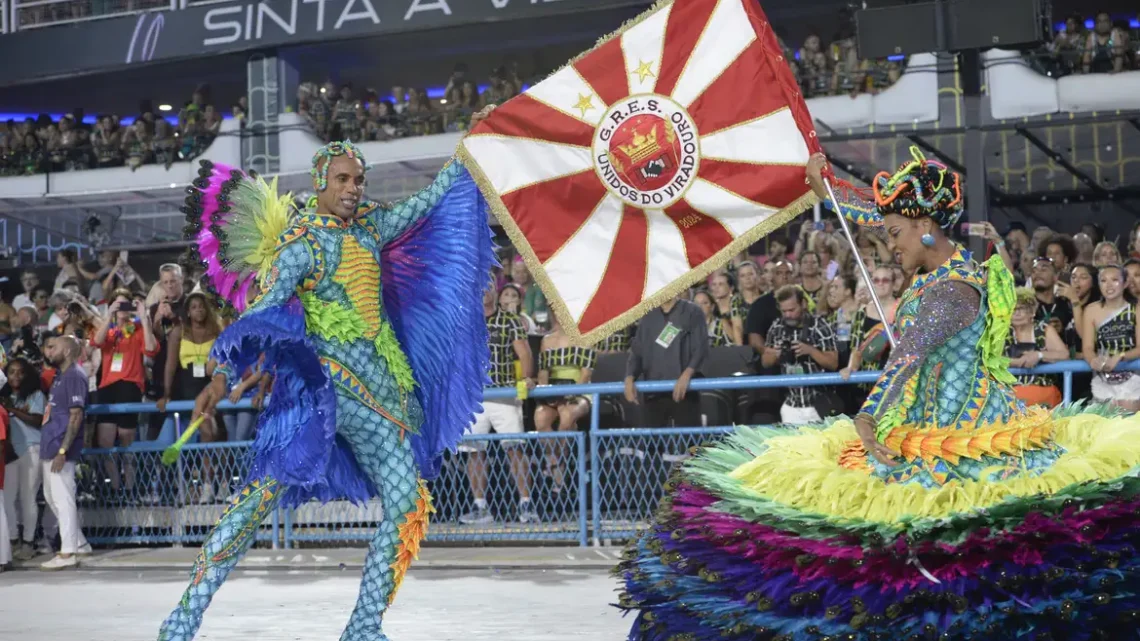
(125, 306)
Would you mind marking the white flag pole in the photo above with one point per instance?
(859, 263)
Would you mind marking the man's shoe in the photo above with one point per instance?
(59, 563)
(23, 551)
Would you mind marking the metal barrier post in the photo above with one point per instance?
(288, 534)
(180, 473)
(583, 532)
(276, 527)
(1067, 387)
(595, 467)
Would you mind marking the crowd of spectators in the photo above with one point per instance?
(342, 112)
(140, 339)
(793, 302)
(39, 145)
(40, 14)
(337, 112)
(1110, 46)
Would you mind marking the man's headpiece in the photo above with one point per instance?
(323, 158)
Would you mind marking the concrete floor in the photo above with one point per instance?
(259, 605)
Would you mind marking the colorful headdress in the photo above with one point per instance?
(320, 170)
(920, 188)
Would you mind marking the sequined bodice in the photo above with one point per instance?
(953, 388)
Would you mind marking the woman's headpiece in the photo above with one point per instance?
(920, 188)
(323, 158)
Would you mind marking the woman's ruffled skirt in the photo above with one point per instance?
(765, 536)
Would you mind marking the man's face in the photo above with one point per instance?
(780, 275)
(1044, 275)
(809, 265)
(171, 285)
(792, 311)
(52, 352)
(29, 281)
(1057, 255)
(345, 188)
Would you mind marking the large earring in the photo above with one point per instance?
(927, 240)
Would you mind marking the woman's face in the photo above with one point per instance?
(196, 310)
(824, 255)
(40, 300)
(1111, 283)
(519, 274)
(1023, 315)
(904, 240)
(1106, 254)
(837, 294)
(704, 301)
(884, 281)
(15, 375)
(747, 275)
(719, 286)
(1082, 281)
(62, 313)
(509, 300)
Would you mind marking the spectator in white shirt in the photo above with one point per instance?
(29, 280)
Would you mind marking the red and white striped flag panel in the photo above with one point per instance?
(649, 161)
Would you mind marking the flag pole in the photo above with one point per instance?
(859, 263)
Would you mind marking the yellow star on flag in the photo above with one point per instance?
(585, 103)
(644, 70)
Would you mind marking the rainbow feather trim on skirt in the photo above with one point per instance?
(765, 536)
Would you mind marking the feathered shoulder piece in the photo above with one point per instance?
(234, 223)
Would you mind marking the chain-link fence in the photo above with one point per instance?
(631, 467)
(532, 486)
(127, 496)
(576, 486)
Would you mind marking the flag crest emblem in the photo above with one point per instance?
(647, 162)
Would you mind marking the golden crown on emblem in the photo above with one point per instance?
(642, 147)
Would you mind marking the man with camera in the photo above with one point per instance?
(801, 343)
(164, 315)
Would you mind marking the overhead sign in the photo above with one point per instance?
(238, 26)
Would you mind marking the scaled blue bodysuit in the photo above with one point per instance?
(353, 414)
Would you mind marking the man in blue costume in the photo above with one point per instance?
(369, 318)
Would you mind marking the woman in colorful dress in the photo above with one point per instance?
(1109, 335)
(945, 510)
(1031, 343)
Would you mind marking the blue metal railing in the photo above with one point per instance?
(615, 473)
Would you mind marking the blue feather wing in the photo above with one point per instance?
(434, 276)
(296, 439)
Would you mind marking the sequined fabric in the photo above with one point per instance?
(937, 378)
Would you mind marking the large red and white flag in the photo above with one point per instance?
(649, 161)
